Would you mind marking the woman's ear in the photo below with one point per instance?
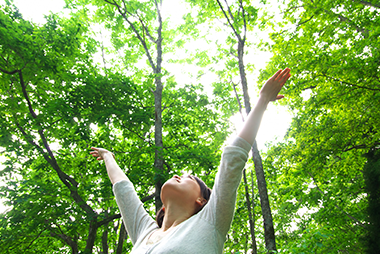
(201, 201)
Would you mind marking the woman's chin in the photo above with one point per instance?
(171, 190)
(170, 186)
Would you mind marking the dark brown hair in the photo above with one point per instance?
(205, 192)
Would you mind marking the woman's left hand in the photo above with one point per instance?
(100, 153)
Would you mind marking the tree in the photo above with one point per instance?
(332, 48)
(139, 17)
(44, 120)
(56, 103)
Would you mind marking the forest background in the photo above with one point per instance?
(162, 92)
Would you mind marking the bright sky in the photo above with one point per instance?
(276, 119)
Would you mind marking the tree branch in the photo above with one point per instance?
(112, 3)
(147, 198)
(105, 240)
(30, 244)
(159, 40)
(123, 14)
(350, 84)
(229, 11)
(365, 3)
(238, 100)
(125, 7)
(362, 146)
(23, 87)
(73, 244)
(363, 31)
(292, 8)
(29, 140)
(9, 72)
(108, 219)
(305, 21)
(103, 55)
(5, 60)
(224, 24)
(228, 20)
(147, 30)
(245, 21)
(168, 166)
(141, 137)
(70, 183)
(232, 54)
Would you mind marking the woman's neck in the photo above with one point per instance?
(175, 215)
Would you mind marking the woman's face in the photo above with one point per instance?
(182, 188)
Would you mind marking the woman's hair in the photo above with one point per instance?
(205, 192)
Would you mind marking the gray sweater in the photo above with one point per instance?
(204, 232)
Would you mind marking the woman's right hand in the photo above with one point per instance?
(273, 86)
(100, 153)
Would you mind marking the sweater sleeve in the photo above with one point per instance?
(221, 206)
(135, 217)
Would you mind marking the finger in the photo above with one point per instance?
(279, 97)
(94, 148)
(285, 78)
(284, 73)
(276, 74)
(99, 158)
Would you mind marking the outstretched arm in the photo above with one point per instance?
(136, 220)
(269, 92)
(220, 208)
(114, 171)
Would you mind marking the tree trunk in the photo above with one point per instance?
(105, 239)
(70, 242)
(247, 196)
(91, 237)
(268, 223)
(251, 220)
(371, 173)
(122, 237)
(243, 78)
(159, 160)
(270, 242)
(156, 67)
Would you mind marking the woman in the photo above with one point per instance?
(193, 221)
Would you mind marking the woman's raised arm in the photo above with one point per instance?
(269, 92)
(136, 219)
(220, 208)
(114, 171)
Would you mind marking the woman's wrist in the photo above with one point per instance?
(263, 101)
(108, 155)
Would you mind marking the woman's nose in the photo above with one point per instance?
(176, 176)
